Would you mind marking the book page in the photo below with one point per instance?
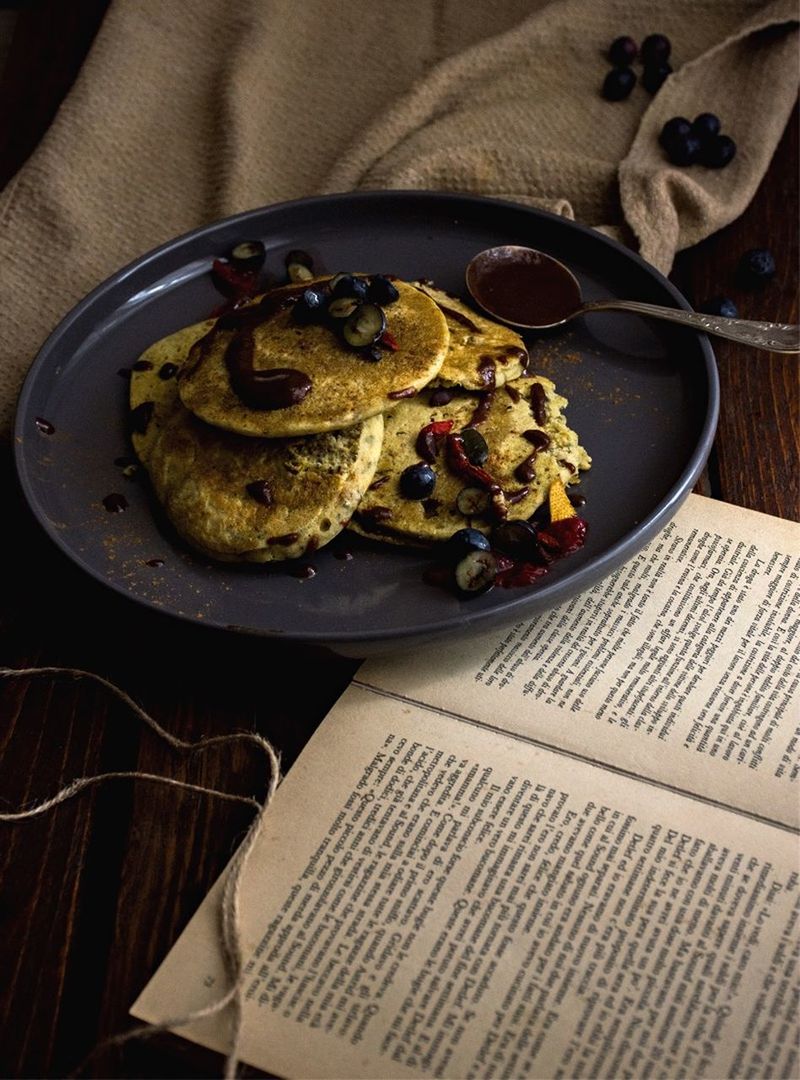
(433, 898)
(682, 666)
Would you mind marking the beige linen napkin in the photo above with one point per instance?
(188, 111)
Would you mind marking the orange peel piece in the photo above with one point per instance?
(560, 506)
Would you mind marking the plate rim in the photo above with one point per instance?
(556, 592)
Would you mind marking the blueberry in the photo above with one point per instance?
(417, 481)
(655, 76)
(472, 501)
(718, 152)
(364, 326)
(442, 395)
(675, 129)
(517, 539)
(618, 84)
(706, 126)
(381, 291)
(248, 255)
(348, 285)
(655, 50)
(720, 305)
(475, 446)
(756, 267)
(461, 543)
(299, 266)
(299, 258)
(310, 307)
(476, 572)
(623, 51)
(342, 307)
(684, 151)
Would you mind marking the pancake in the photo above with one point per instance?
(384, 514)
(480, 350)
(345, 387)
(153, 392)
(201, 474)
(205, 480)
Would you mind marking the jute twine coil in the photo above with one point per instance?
(230, 936)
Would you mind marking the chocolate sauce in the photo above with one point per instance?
(567, 464)
(431, 507)
(526, 470)
(396, 395)
(264, 389)
(166, 371)
(513, 497)
(512, 392)
(482, 409)
(44, 426)
(459, 317)
(378, 483)
(154, 562)
(115, 503)
(577, 499)
(487, 374)
(140, 417)
(529, 290)
(261, 491)
(142, 365)
(539, 439)
(261, 389)
(538, 403)
(373, 519)
(487, 371)
(285, 540)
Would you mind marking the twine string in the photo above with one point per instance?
(229, 907)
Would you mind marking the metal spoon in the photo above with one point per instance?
(534, 291)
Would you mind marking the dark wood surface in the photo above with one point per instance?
(93, 894)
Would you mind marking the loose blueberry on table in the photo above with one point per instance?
(756, 268)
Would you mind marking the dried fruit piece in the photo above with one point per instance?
(560, 506)
(430, 438)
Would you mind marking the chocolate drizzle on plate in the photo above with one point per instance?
(115, 503)
(44, 426)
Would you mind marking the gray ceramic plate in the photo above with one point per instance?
(643, 396)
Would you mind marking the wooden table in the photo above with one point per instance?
(94, 893)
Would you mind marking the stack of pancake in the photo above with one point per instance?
(263, 482)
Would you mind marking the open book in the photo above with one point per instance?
(566, 848)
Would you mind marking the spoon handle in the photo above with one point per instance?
(775, 337)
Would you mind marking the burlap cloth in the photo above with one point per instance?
(189, 110)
